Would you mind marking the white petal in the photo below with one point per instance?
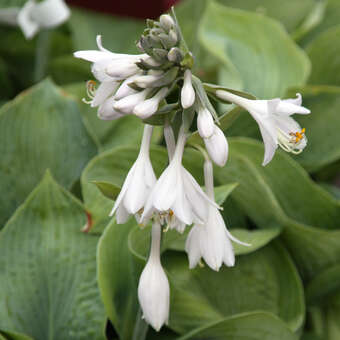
(28, 26)
(205, 123)
(122, 68)
(91, 55)
(187, 92)
(98, 69)
(192, 246)
(127, 104)
(124, 89)
(107, 112)
(50, 13)
(104, 90)
(126, 185)
(122, 215)
(217, 147)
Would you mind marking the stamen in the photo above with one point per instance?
(289, 142)
(90, 91)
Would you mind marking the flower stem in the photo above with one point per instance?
(41, 55)
(141, 327)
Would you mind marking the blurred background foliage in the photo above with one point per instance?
(61, 167)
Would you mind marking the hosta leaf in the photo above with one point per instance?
(246, 326)
(322, 126)
(288, 198)
(12, 3)
(259, 281)
(6, 335)
(257, 55)
(47, 269)
(117, 278)
(40, 129)
(324, 54)
(290, 13)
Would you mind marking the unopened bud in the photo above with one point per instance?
(217, 147)
(175, 55)
(166, 22)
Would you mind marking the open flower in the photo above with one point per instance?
(211, 240)
(276, 125)
(177, 192)
(138, 183)
(153, 287)
(35, 15)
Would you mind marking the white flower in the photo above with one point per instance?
(138, 183)
(99, 95)
(276, 125)
(122, 68)
(177, 192)
(103, 59)
(107, 112)
(211, 240)
(217, 147)
(124, 89)
(205, 123)
(127, 104)
(144, 81)
(153, 287)
(34, 16)
(148, 107)
(187, 92)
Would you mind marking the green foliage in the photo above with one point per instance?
(48, 286)
(40, 129)
(57, 282)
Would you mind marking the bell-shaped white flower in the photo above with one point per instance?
(127, 104)
(35, 15)
(276, 125)
(153, 287)
(103, 58)
(217, 147)
(177, 192)
(138, 183)
(107, 112)
(211, 240)
(205, 122)
(187, 92)
(148, 107)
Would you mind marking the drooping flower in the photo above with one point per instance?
(138, 183)
(187, 92)
(217, 146)
(177, 192)
(34, 16)
(277, 126)
(205, 122)
(211, 240)
(153, 287)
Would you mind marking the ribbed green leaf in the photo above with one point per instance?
(247, 326)
(259, 281)
(40, 129)
(47, 269)
(257, 54)
(289, 198)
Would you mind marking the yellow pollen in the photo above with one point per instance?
(298, 135)
(171, 213)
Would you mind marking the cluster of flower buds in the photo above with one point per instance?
(140, 85)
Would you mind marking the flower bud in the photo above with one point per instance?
(188, 92)
(107, 112)
(153, 287)
(127, 104)
(122, 68)
(217, 147)
(150, 106)
(166, 22)
(124, 89)
(175, 55)
(205, 123)
(147, 80)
